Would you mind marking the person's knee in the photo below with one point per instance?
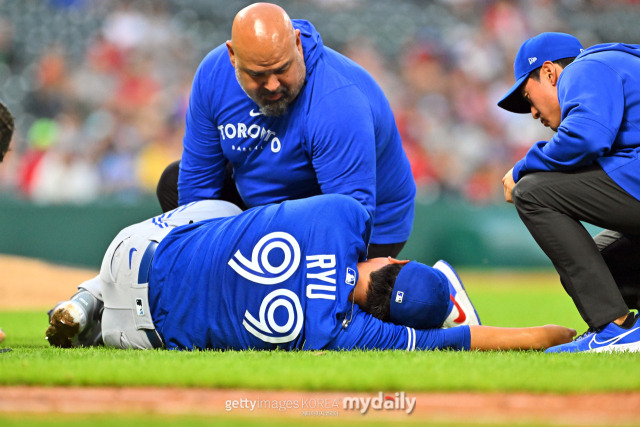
(120, 331)
(524, 190)
(167, 190)
(169, 177)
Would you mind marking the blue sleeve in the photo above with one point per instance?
(341, 136)
(592, 101)
(202, 168)
(368, 333)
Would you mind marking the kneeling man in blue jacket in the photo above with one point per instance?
(589, 171)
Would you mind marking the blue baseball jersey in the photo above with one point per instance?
(276, 276)
(599, 95)
(338, 136)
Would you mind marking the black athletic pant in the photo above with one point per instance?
(601, 274)
(167, 192)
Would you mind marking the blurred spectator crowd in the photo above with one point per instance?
(99, 88)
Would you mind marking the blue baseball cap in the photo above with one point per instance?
(420, 297)
(532, 54)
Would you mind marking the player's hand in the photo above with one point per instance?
(508, 183)
(532, 338)
(556, 335)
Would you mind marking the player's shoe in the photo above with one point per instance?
(75, 323)
(611, 338)
(463, 312)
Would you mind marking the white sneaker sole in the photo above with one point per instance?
(461, 298)
(632, 347)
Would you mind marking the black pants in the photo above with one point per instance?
(167, 192)
(601, 274)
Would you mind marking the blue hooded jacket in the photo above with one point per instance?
(599, 95)
(338, 136)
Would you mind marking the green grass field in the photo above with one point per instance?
(501, 300)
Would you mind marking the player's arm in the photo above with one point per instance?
(202, 167)
(495, 338)
(341, 141)
(592, 111)
(367, 332)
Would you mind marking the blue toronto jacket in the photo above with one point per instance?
(599, 96)
(338, 136)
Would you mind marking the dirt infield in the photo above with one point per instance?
(499, 408)
(30, 284)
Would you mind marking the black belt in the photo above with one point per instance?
(145, 263)
(154, 338)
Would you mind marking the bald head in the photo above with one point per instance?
(262, 28)
(266, 51)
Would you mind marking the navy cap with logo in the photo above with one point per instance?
(420, 297)
(532, 54)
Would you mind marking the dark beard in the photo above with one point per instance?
(277, 108)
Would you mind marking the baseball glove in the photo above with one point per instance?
(6, 130)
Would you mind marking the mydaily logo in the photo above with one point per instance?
(328, 406)
(397, 402)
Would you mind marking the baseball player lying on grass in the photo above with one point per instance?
(289, 276)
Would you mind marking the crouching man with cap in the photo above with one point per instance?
(589, 171)
(290, 276)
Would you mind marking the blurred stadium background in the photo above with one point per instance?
(99, 89)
